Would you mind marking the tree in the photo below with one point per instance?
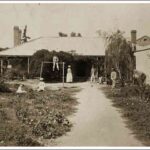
(73, 34)
(119, 55)
(25, 37)
(79, 35)
(3, 49)
(36, 60)
(62, 34)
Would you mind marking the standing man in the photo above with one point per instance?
(113, 77)
(92, 75)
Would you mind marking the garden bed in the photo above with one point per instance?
(26, 118)
(134, 107)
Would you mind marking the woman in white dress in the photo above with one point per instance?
(69, 77)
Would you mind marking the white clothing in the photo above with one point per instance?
(69, 77)
(93, 78)
(55, 63)
(19, 90)
(113, 78)
(113, 75)
(100, 80)
(92, 74)
(41, 86)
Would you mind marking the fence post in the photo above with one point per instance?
(28, 65)
(63, 73)
(41, 70)
(1, 66)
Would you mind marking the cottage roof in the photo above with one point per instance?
(139, 47)
(145, 36)
(83, 46)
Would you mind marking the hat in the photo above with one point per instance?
(41, 79)
(9, 66)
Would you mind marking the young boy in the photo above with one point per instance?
(41, 85)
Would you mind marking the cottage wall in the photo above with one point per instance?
(143, 63)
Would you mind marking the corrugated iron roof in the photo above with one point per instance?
(139, 47)
(82, 46)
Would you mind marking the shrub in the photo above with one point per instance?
(48, 73)
(15, 73)
(119, 55)
(4, 87)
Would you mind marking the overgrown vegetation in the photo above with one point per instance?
(48, 73)
(119, 55)
(27, 117)
(4, 88)
(134, 102)
(18, 70)
(132, 95)
(79, 65)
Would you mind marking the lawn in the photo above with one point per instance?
(134, 108)
(27, 118)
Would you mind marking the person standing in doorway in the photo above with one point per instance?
(113, 77)
(69, 77)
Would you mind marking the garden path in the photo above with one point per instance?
(97, 122)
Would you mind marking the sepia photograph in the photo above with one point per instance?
(74, 74)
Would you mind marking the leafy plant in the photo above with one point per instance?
(48, 73)
(119, 55)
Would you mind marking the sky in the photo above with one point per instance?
(49, 19)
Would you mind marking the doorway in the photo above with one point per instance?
(82, 71)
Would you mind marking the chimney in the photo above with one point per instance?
(133, 40)
(133, 36)
(20, 32)
(17, 36)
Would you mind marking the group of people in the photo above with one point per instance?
(40, 87)
(94, 76)
(69, 78)
(101, 79)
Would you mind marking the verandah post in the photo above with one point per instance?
(41, 70)
(28, 65)
(63, 73)
(1, 66)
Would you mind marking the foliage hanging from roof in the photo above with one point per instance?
(45, 55)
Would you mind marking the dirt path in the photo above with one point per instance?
(97, 122)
